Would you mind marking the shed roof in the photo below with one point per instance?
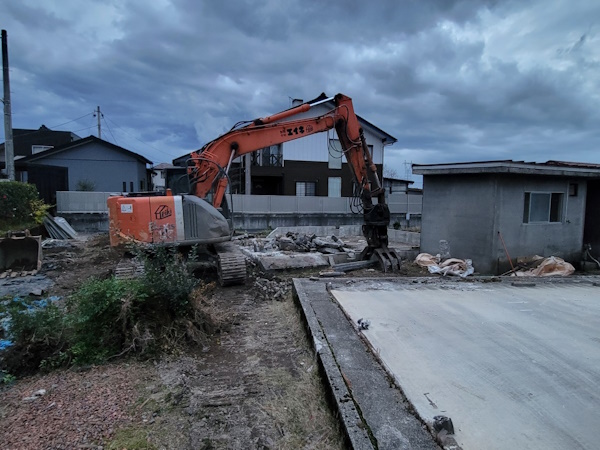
(549, 168)
(399, 180)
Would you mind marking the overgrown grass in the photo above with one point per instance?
(163, 310)
(131, 438)
(297, 404)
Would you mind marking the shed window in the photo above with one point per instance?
(573, 188)
(543, 207)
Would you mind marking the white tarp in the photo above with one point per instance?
(451, 266)
(551, 266)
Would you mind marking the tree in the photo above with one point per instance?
(390, 172)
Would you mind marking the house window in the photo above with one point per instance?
(334, 186)
(142, 185)
(335, 154)
(543, 207)
(131, 186)
(124, 186)
(271, 156)
(306, 188)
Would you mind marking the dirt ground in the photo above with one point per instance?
(253, 385)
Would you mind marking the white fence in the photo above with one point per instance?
(73, 202)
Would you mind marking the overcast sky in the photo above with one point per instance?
(450, 80)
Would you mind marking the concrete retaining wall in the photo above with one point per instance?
(408, 237)
(87, 211)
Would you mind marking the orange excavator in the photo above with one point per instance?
(191, 219)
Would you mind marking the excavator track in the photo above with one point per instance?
(128, 269)
(231, 264)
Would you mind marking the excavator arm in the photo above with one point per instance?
(208, 167)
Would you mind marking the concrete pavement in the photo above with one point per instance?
(514, 366)
(373, 412)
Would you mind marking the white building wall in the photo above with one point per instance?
(315, 147)
(158, 180)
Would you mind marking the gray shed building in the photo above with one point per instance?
(546, 209)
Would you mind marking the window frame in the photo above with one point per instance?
(334, 183)
(554, 208)
(306, 184)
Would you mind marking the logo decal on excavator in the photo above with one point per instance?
(162, 212)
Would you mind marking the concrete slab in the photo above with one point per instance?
(515, 367)
(291, 261)
(373, 412)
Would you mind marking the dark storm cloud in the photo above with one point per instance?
(451, 80)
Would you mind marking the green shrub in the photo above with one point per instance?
(85, 185)
(15, 200)
(167, 281)
(37, 333)
(109, 318)
(6, 378)
(101, 314)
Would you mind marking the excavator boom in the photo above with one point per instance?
(189, 220)
(208, 167)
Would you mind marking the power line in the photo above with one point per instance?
(85, 115)
(106, 120)
(134, 137)
(81, 129)
(109, 130)
(20, 135)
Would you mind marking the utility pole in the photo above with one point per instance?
(99, 128)
(9, 151)
(408, 170)
(248, 173)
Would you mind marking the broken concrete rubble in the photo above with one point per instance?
(304, 248)
(297, 250)
(271, 289)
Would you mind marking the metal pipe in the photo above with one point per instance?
(321, 101)
(506, 251)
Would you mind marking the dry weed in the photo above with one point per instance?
(298, 403)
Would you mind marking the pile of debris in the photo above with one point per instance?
(271, 289)
(59, 228)
(17, 273)
(297, 250)
(300, 242)
(450, 266)
(538, 266)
